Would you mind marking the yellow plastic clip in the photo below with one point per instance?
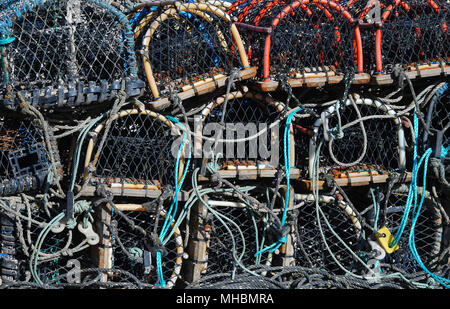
(384, 238)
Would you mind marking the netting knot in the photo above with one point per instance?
(336, 133)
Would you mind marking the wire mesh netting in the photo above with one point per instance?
(134, 150)
(24, 162)
(52, 259)
(66, 53)
(293, 277)
(427, 232)
(413, 33)
(369, 13)
(228, 236)
(131, 240)
(315, 38)
(251, 12)
(245, 127)
(297, 139)
(318, 243)
(375, 143)
(187, 48)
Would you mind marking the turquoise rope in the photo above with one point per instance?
(415, 216)
(80, 141)
(42, 235)
(287, 163)
(177, 185)
(7, 41)
(174, 206)
(376, 210)
(444, 152)
(412, 193)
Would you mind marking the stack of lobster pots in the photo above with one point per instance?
(159, 144)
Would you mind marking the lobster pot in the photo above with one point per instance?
(24, 157)
(313, 238)
(250, 141)
(188, 49)
(308, 42)
(437, 121)
(368, 148)
(414, 35)
(54, 266)
(66, 53)
(368, 13)
(127, 243)
(251, 12)
(428, 231)
(226, 235)
(253, 18)
(134, 153)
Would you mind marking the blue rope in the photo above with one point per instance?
(415, 216)
(174, 206)
(7, 41)
(159, 270)
(23, 7)
(444, 152)
(287, 163)
(412, 193)
(177, 185)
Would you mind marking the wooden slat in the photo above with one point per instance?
(353, 181)
(90, 191)
(198, 242)
(425, 71)
(202, 88)
(313, 80)
(104, 248)
(251, 174)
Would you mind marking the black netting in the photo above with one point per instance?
(233, 233)
(310, 250)
(140, 149)
(251, 12)
(130, 231)
(249, 117)
(128, 248)
(54, 265)
(67, 52)
(314, 37)
(238, 7)
(369, 144)
(186, 47)
(24, 162)
(295, 277)
(368, 34)
(414, 33)
(428, 231)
